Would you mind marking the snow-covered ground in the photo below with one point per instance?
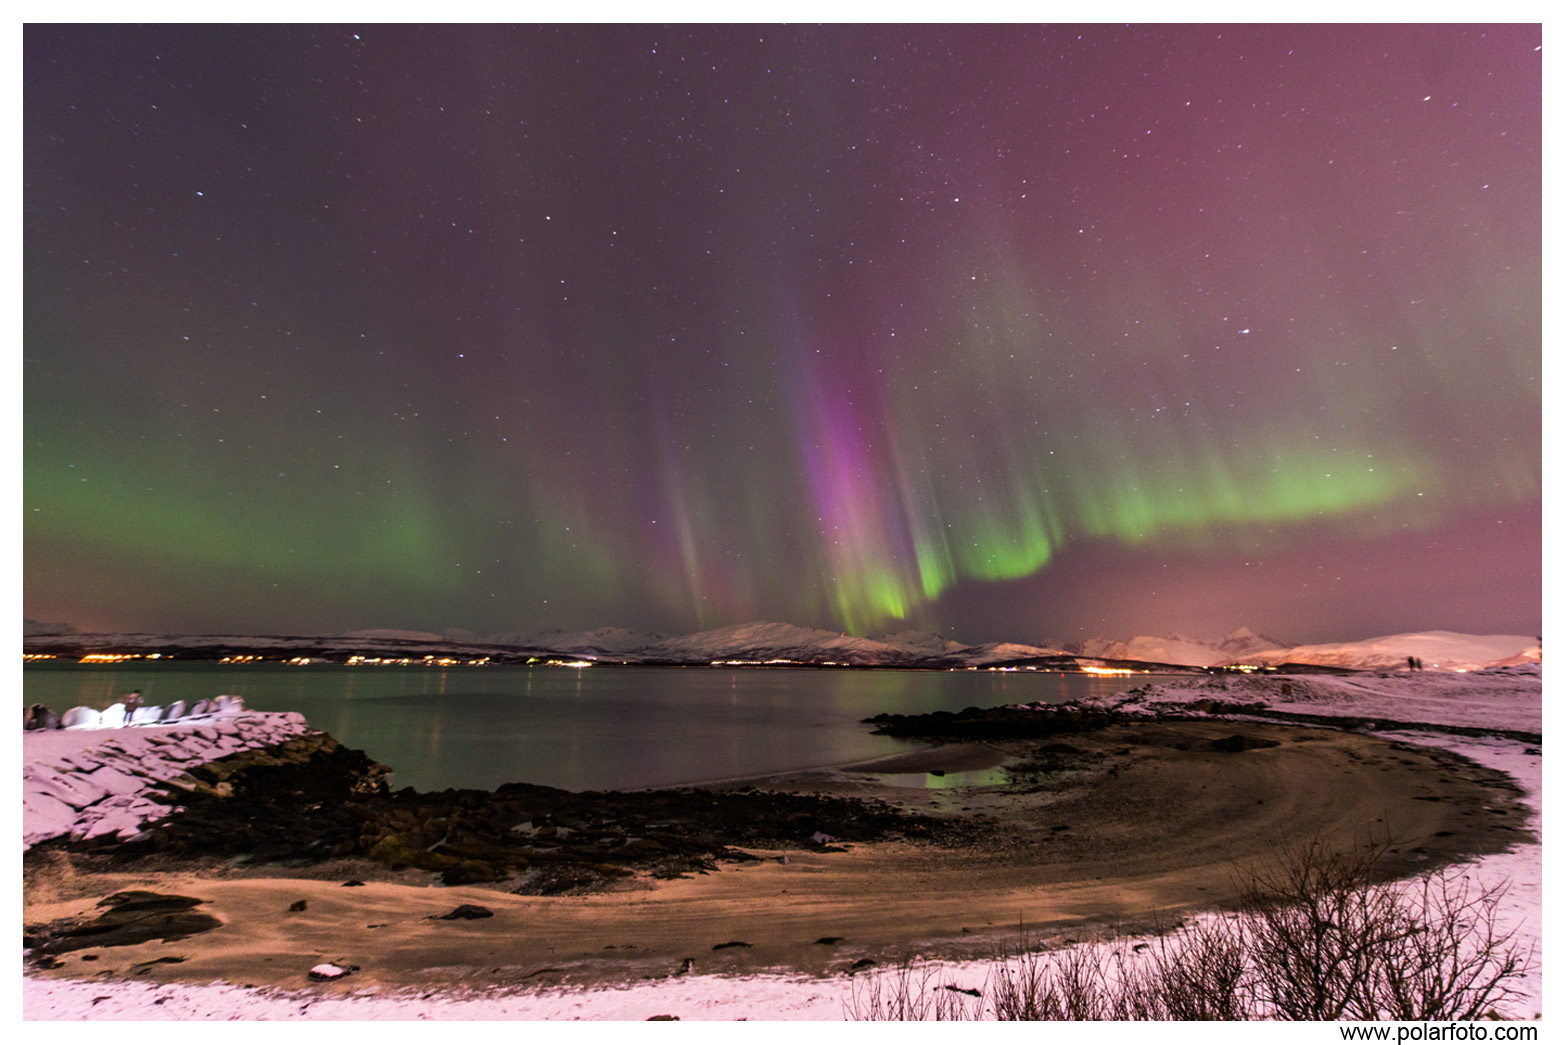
(86, 782)
(1499, 699)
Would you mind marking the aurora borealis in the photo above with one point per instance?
(1012, 332)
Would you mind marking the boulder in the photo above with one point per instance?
(331, 971)
(40, 717)
(81, 718)
(467, 912)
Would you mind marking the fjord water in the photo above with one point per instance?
(577, 728)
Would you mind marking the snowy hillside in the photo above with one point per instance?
(1437, 650)
(598, 642)
(394, 635)
(1179, 649)
(763, 641)
(923, 644)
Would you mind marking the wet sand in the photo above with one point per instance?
(1129, 827)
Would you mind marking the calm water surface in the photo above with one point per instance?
(576, 728)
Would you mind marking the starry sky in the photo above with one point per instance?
(1010, 332)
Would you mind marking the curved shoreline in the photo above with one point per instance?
(1142, 823)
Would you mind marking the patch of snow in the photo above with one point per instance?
(1475, 700)
(690, 997)
(84, 782)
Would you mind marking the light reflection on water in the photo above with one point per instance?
(996, 777)
(582, 729)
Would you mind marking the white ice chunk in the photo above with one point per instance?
(81, 718)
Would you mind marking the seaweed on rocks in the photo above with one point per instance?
(1009, 722)
(319, 801)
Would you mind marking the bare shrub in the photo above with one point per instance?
(906, 995)
(1314, 928)
(1327, 941)
(1062, 985)
(1457, 965)
(1196, 973)
(1317, 937)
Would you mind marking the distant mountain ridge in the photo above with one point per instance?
(1180, 649)
(764, 643)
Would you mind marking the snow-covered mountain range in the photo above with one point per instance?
(765, 643)
(1239, 645)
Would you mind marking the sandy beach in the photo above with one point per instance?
(1126, 828)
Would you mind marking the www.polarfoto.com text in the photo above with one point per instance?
(1442, 1032)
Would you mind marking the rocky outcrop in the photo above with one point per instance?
(312, 800)
(1011, 722)
(110, 784)
(128, 918)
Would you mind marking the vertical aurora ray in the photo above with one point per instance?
(864, 537)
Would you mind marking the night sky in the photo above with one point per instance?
(1008, 332)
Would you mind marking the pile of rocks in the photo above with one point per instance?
(129, 712)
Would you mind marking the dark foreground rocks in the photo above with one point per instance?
(321, 802)
(999, 723)
(127, 918)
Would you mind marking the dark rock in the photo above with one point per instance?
(829, 940)
(352, 882)
(297, 905)
(142, 900)
(1240, 742)
(731, 943)
(1000, 723)
(40, 717)
(131, 918)
(662, 1016)
(467, 912)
